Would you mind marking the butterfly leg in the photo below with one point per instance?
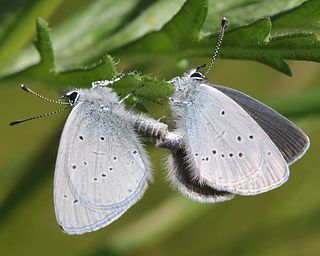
(135, 104)
(130, 94)
(125, 98)
(104, 83)
(178, 102)
(161, 118)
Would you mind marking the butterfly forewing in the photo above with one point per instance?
(226, 149)
(291, 141)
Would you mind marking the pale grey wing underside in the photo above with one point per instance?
(290, 140)
(73, 216)
(226, 149)
(101, 169)
(181, 180)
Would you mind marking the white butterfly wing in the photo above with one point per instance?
(226, 149)
(101, 165)
(73, 216)
(182, 181)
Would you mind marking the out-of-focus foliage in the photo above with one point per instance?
(279, 30)
(95, 40)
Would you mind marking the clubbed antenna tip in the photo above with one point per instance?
(224, 22)
(25, 88)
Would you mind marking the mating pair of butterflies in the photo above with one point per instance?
(224, 143)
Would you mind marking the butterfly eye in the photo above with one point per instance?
(197, 75)
(72, 97)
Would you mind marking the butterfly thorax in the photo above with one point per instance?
(186, 88)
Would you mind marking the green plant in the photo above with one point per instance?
(78, 51)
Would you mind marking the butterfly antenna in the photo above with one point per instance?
(224, 24)
(37, 117)
(25, 88)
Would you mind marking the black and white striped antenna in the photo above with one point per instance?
(224, 24)
(37, 117)
(26, 89)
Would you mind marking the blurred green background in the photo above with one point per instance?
(285, 221)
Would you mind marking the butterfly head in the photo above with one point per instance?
(71, 97)
(195, 74)
(190, 78)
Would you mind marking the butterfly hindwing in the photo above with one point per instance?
(73, 216)
(182, 181)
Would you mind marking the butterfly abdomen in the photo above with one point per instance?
(148, 127)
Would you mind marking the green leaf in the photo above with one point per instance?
(44, 45)
(255, 41)
(145, 87)
(180, 32)
(273, 42)
(301, 20)
(259, 33)
(48, 71)
(296, 34)
(180, 29)
(244, 12)
(115, 24)
(151, 19)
